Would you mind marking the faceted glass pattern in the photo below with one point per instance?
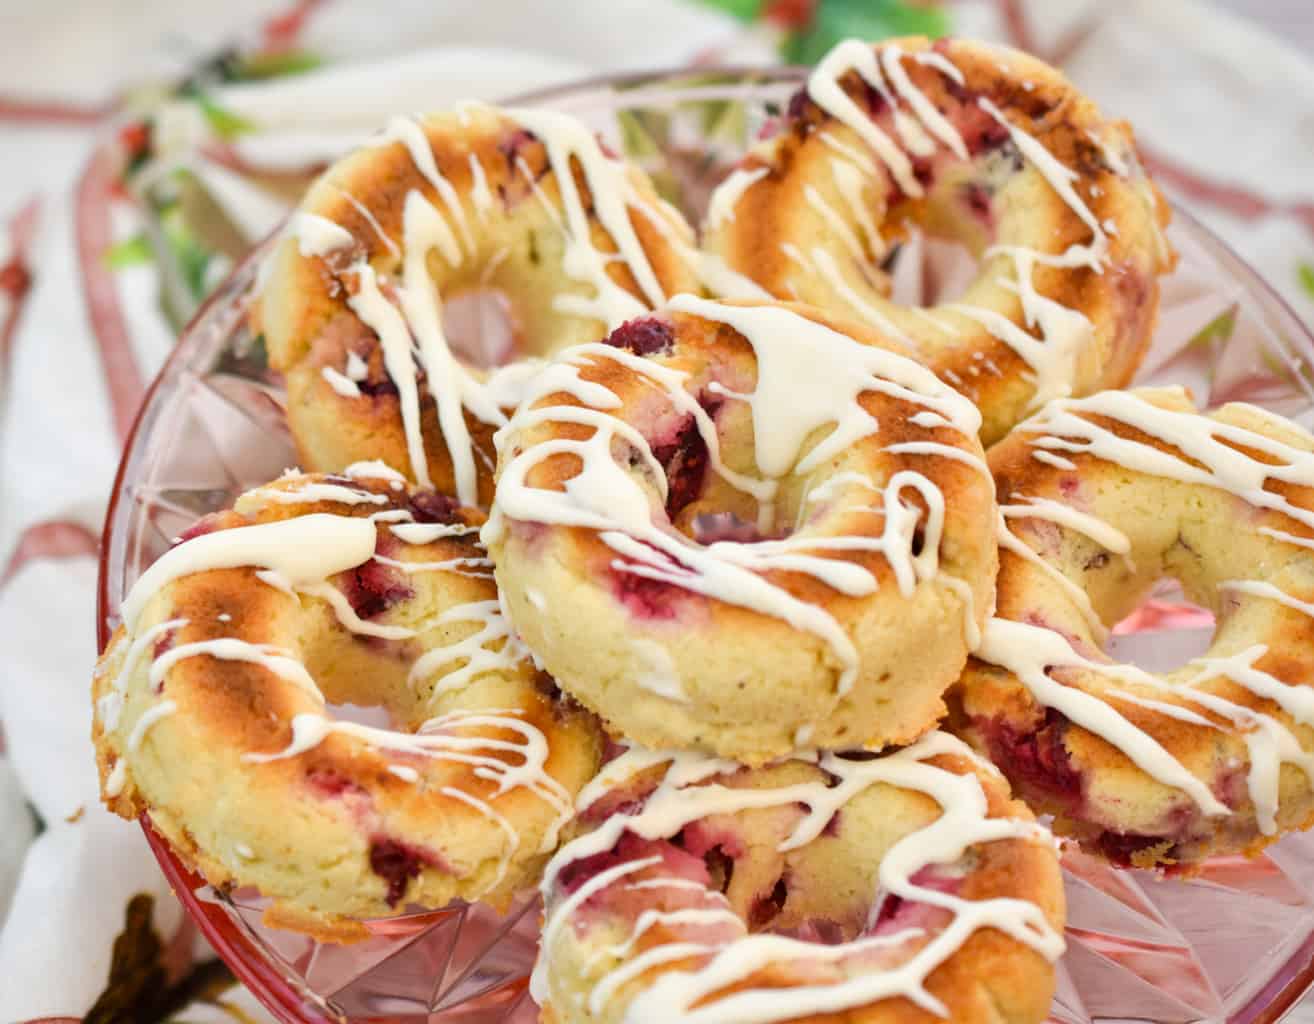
(1234, 944)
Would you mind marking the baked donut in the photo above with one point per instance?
(1103, 497)
(214, 707)
(975, 144)
(523, 204)
(865, 888)
(745, 528)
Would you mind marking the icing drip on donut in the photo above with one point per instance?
(458, 737)
(474, 650)
(281, 662)
(416, 315)
(721, 207)
(305, 550)
(808, 376)
(340, 383)
(1216, 459)
(110, 704)
(730, 957)
(318, 236)
(1063, 426)
(1030, 652)
(307, 493)
(1104, 534)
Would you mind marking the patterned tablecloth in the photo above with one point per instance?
(92, 293)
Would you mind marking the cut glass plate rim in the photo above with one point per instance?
(223, 309)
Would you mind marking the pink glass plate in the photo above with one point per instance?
(1235, 944)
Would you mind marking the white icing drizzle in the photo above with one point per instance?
(1116, 163)
(1062, 426)
(474, 650)
(512, 836)
(1050, 459)
(340, 383)
(427, 533)
(404, 772)
(305, 550)
(687, 793)
(479, 193)
(852, 154)
(451, 738)
(383, 237)
(310, 492)
(110, 705)
(1029, 651)
(825, 91)
(410, 133)
(1102, 533)
(417, 312)
(726, 196)
(374, 469)
(836, 224)
(936, 123)
(807, 376)
(848, 180)
(283, 663)
(318, 236)
(145, 721)
(823, 264)
(1009, 541)
(118, 777)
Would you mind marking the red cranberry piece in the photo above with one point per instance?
(330, 784)
(684, 458)
(513, 144)
(375, 388)
(396, 863)
(373, 588)
(206, 524)
(163, 642)
(976, 198)
(766, 909)
(798, 105)
(717, 526)
(1037, 760)
(432, 507)
(644, 336)
(646, 598)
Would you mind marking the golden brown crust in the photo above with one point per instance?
(753, 680)
(783, 234)
(992, 978)
(349, 827)
(1206, 537)
(509, 240)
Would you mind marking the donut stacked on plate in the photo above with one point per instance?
(740, 523)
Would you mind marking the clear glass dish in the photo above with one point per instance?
(1235, 944)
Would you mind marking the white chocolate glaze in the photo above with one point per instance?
(729, 956)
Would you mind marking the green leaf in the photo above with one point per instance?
(1219, 329)
(259, 66)
(744, 10)
(642, 132)
(1305, 274)
(131, 252)
(193, 258)
(870, 20)
(224, 123)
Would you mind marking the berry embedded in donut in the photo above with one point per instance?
(515, 221)
(215, 707)
(864, 887)
(975, 144)
(1102, 498)
(767, 531)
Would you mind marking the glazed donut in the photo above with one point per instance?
(973, 143)
(524, 203)
(213, 707)
(1103, 497)
(905, 886)
(745, 528)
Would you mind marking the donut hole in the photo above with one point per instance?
(482, 328)
(929, 269)
(1164, 631)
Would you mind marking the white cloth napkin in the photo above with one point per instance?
(1222, 109)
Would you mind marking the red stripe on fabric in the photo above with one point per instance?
(16, 272)
(282, 30)
(54, 538)
(1235, 199)
(1017, 26)
(93, 236)
(39, 111)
